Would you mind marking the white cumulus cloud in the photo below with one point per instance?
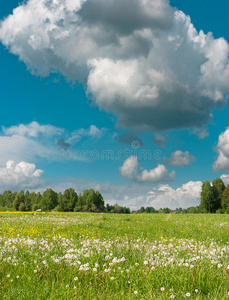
(32, 129)
(185, 196)
(129, 170)
(222, 148)
(180, 158)
(19, 176)
(141, 60)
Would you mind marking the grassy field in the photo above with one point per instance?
(102, 256)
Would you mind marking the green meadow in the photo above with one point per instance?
(109, 256)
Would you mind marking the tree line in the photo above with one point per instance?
(214, 199)
(69, 201)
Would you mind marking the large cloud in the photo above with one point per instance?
(185, 196)
(142, 60)
(19, 176)
(129, 170)
(222, 148)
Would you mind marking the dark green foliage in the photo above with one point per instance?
(218, 189)
(211, 196)
(225, 200)
(207, 198)
(67, 201)
(48, 200)
(90, 201)
(117, 209)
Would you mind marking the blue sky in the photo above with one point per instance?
(148, 86)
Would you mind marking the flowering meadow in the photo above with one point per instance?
(104, 256)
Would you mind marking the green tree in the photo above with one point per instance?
(49, 200)
(90, 201)
(8, 198)
(150, 210)
(22, 207)
(142, 210)
(80, 203)
(207, 198)
(218, 188)
(225, 200)
(19, 199)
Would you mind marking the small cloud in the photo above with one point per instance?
(62, 144)
(56, 80)
(179, 158)
(159, 140)
(129, 170)
(33, 129)
(129, 137)
(201, 133)
(93, 132)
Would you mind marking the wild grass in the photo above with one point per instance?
(103, 256)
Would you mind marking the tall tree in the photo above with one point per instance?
(207, 198)
(19, 199)
(218, 189)
(225, 200)
(49, 200)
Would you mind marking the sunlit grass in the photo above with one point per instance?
(103, 256)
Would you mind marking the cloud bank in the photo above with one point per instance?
(129, 170)
(141, 60)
